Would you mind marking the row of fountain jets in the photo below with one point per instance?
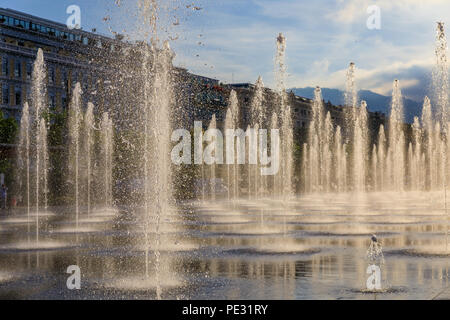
(400, 157)
(334, 159)
(347, 159)
(84, 163)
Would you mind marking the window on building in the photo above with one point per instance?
(65, 79)
(5, 66)
(85, 41)
(18, 94)
(64, 102)
(3, 19)
(51, 75)
(74, 78)
(51, 101)
(5, 93)
(17, 68)
(29, 70)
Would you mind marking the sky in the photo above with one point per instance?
(235, 40)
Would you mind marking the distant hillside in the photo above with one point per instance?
(375, 102)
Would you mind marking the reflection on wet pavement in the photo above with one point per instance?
(310, 248)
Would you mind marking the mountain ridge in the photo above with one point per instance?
(375, 102)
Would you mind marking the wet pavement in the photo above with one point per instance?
(312, 247)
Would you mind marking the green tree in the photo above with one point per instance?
(8, 129)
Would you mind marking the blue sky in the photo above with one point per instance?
(235, 39)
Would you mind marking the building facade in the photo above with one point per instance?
(67, 56)
(102, 66)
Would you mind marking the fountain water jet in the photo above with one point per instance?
(75, 122)
(43, 167)
(88, 145)
(232, 123)
(157, 103)
(286, 126)
(39, 133)
(24, 156)
(397, 140)
(381, 169)
(107, 152)
(212, 178)
(360, 148)
(257, 121)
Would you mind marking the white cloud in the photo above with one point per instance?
(322, 38)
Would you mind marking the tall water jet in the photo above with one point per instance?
(351, 101)
(212, 175)
(397, 139)
(39, 138)
(381, 168)
(441, 92)
(43, 139)
(156, 73)
(75, 122)
(198, 141)
(339, 159)
(257, 122)
(441, 78)
(41, 169)
(373, 167)
(356, 132)
(415, 163)
(427, 126)
(327, 156)
(24, 157)
(88, 148)
(251, 171)
(231, 126)
(146, 97)
(409, 161)
(107, 155)
(360, 147)
(316, 138)
(276, 178)
(438, 156)
(287, 138)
